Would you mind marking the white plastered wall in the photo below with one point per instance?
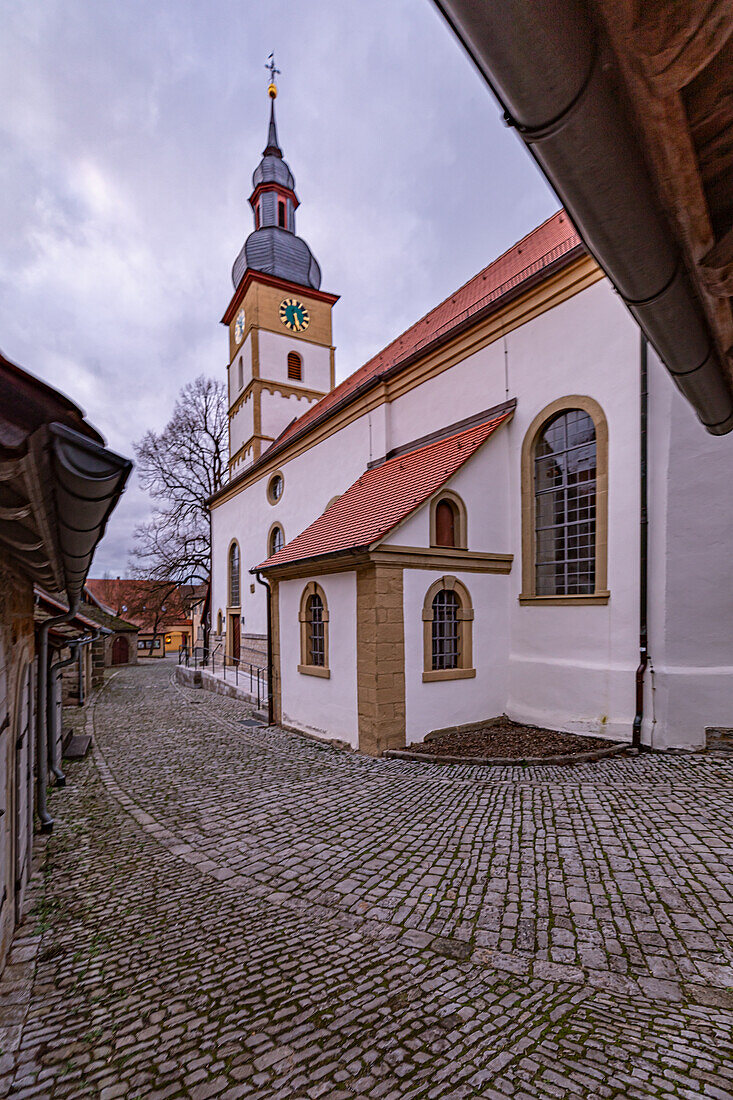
(274, 349)
(690, 684)
(311, 480)
(326, 707)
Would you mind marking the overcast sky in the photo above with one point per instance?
(128, 137)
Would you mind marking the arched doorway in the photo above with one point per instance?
(120, 650)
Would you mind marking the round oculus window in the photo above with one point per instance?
(275, 488)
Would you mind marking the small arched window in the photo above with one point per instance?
(445, 524)
(276, 541)
(234, 575)
(295, 366)
(447, 635)
(314, 631)
(219, 622)
(258, 218)
(448, 521)
(282, 216)
(240, 373)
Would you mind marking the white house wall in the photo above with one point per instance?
(278, 411)
(326, 707)
(243, 356)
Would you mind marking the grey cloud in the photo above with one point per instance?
(127, 143)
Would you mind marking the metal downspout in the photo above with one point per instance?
(41, 715)
(643, 542)
(270, 699)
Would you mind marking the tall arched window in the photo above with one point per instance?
(276, 540)
(447, 636)
(234, 575)
(282, 217)
(565, 504)
(314, 631)
(295, 366)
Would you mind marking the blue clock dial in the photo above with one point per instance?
(294, 315)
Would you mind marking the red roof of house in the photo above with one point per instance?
(385, 495)
(540, 248)
(128, 597)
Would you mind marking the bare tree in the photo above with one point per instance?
(181, 468)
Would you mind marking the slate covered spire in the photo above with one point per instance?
(273, 248)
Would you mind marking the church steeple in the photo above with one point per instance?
(273, 248)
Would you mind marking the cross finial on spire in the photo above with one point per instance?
(270, 66)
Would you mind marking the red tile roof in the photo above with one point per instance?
(137, 601)
(547, 243)
(385, 495)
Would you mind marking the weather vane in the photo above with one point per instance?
(272, 89)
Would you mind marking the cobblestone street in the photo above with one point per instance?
(227, 911)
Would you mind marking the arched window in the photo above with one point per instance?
(240, 373)
(565, 504)
(295, 366)
(276, 539)
(445, 642)
(314, 631)
(447, 635)
(282, 217)
(448, 521)
(219, 622)
(234, 575)
(445, 524)
(258, 215)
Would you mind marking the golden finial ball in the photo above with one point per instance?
(272, 91)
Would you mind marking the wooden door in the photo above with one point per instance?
(236, 647)
(120, 650)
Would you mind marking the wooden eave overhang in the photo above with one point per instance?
(676, 61)
(251, 276)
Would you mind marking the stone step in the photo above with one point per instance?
(78, 746)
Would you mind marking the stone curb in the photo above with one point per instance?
(503, 761)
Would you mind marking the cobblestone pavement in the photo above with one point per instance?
(227, 911)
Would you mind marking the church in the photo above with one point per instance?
(454, 532)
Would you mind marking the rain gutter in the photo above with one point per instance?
(548, 67)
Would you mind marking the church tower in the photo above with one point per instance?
(281, 356)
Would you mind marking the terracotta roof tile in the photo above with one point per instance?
(385, 495)
(540, 248)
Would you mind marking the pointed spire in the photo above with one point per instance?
(272, 149)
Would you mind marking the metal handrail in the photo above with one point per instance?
(258, 674)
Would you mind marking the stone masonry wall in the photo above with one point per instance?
(380, 659)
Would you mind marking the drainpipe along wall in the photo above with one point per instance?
(643, 541)
(42, 715)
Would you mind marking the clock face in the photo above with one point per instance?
(239, 327)
(294, 315)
